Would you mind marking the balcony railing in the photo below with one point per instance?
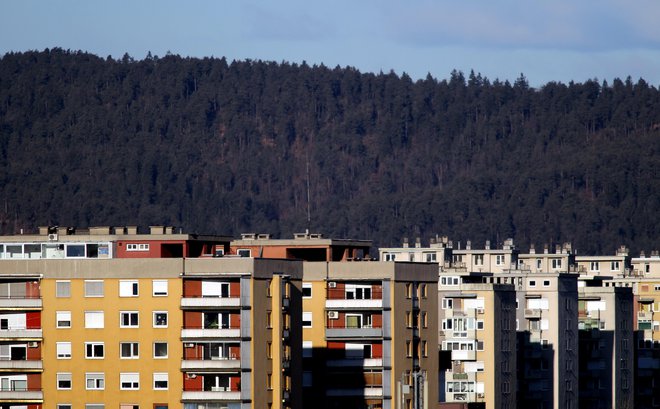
(532, 313)
(24, 302)
(210, 364)
(21, 365)
(210, 302)
(191, 331)
(342, 294)
(201, 395)
(21, 333)
(355, 362)
(344, 333)
(21, 393)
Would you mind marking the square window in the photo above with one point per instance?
(159, 288)
(128, 288)
(129, 319)
(129, 350)
(63, 350)
(63, 381)
(94, 381)
(532, 283)
(546, 283)
(161, 381)
(63, 289)
(307, 290)
(160, 350)
(93, 288)
(307, 350)
(307, 320)
(63, 319)
(244, 252)
(94, 350)
(129, 381)
(94, 319)
(160, 319)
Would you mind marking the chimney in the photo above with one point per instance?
(558, 249)
(418, 243)
(545, 248)
(532, 250)
(131, 230)
(487, 247)
(468, 245)
(405, 242)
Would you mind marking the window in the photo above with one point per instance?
(159, 288)
(307, 320)
(63, 289)
(478, 259)
(307, 350)
(409, 347)
(307, 379)
(75, 250)
(128, 406)
(431, 257)
(94, 406)
(499, 259)
(94, 350)
(480, 324)
(160, 319)
(532, 283)
(137, 247)
(94, 319)
(307, 290)
(129, 381)
(269, 319)
(425, 322)
(422, 290)
(160, 381)
(556, 263)
(447, 303)
(94, 381)
(128, 288)
(538, 263)
(546, 283)
(63, 319)
(129, 319)
(63, 406)
(244, 252)
(452, 281)
(409, 290)
(594, 266)
(63, 350)
(390, 256)
(93, 288)
(614, 266)
(129, 350)
(63, 380)
(160, 350)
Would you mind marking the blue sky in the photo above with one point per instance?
(546, 40)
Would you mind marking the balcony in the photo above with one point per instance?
(210, 333)
(21, 394)
(367, 392)
(218, 394)
(21, 333)
(645, 315)
(463, 355)
(21, 303)
(461, 397)
(534, 313)
(355, 363)
(34, 365)
(358, 333)
(210, 364)
(210, 303)
(590, 324)
(363, 298)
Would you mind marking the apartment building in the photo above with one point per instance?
(439, 251)
(492, 260)
(606, 344)
(608, 265)
(561, 260)
(477, 341)
(92, 319)
(370, 335)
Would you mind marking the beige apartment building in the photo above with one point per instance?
(561, 260)
(477, 341)
(370, 335)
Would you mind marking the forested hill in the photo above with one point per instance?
(227, 147)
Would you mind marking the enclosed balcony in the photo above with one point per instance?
(20, 294)
(211, 356)
(354, 296)
(211, 325)
(211, 294)
(353, 325)
(21, 388)
(211, 387)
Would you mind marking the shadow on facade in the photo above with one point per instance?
(535, 373)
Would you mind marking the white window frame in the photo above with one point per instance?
(594, 266)
(88, 290)
(131, 379)
(129, 314)
(478, 259)
(63, 350)
(244, 252)
(167, 350)
(134, 350)
(307, 316)
(64, 406)
(129, 288)
(556, 264)
(447, 303)
(307, 286)
(98, 380)
(159, 288)
(158, 314)
(62, 318)
(137, 246)
(615, 266)
(95, 406)
(60, 286)
(63, 377)
(499, 259)
(307, 349)
(93, 351)
(91, 317)
(161, 377)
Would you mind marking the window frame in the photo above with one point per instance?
(59, 294)
(129, 314)
(133, 289)
(59, 319)
(61, 376)
(134, 384)
(134, 346)
(100, 313)
(89, 293)
(156, 293)
(164, 377)
(310, 316)
(98, 378)
(167, 350)
(62, 354)
(92, 344)
(155, 318)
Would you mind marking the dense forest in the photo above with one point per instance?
(214, 146)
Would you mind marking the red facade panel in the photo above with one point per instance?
(192, 288)
(33, 320)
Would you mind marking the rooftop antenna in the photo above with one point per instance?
(309, 215)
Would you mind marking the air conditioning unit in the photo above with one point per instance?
(480, 395)
(52, 236)
(332, 284)
(190, 345)
(33, 344)
(218, 388)
(480, 310)
(333, 315)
